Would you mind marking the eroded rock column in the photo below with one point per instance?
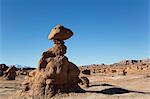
(55, 73)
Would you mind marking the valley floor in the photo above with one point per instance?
(102, 86)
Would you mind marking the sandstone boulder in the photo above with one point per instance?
(3, 68)
(87, 72)
(84, 82)
(60, 33)
(1, 73)
(10, 73)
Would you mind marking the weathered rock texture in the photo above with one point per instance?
(10, 73)
(60, 32)
(55, 73)
(84, 82)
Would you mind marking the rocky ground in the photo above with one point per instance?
(134, 85)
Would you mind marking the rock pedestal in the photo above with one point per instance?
(55, 73)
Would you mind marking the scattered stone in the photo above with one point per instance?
(130, 66)
(84, 82)
(87, 72)
(113, 71)
(124, 72)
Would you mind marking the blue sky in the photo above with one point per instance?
(105, 31)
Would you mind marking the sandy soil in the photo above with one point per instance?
(102, 86)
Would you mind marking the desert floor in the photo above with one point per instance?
(102, 86)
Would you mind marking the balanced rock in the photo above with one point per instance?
(60, 33)
(55, 73)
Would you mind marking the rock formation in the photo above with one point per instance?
(122, 67)
(84, 82)
(55, 73)
(86, 71)
(3, 68)
(10, 73)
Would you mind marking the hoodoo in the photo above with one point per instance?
(55, 73)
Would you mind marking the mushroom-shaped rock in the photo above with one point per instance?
(55, 73)
(60, 33)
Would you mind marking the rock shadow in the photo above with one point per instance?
(104, 84)
(117, 90)
(111, 91)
